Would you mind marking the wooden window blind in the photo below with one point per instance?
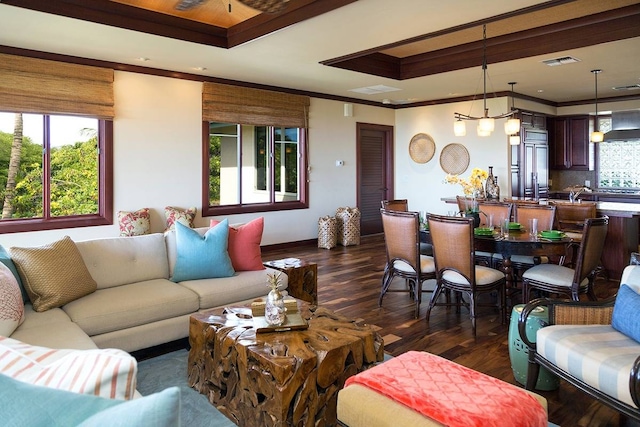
(236, 104)
(31, 85)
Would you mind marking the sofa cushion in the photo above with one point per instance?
(5, 258)
(625, 312)
(227, 290)
(631, 277)
(596, 354)
(11, 304)
(50, 407)
(53, 274)
(134, 223)
(183, 216)
(53, 329)
(244, 244)
(109, 373)
(202, 257)
(170, 241)
(122, 307)
(118, 261)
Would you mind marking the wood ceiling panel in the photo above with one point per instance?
(213, 12)
(512, 24)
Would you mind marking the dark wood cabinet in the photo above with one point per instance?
(569, 142)
(533, 120)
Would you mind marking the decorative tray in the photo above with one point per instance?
(293, 321)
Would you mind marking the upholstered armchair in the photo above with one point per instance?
(593, 345)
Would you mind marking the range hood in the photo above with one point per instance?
(625, 126)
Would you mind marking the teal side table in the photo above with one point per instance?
(519, 352)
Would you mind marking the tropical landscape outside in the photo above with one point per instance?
(48, 165)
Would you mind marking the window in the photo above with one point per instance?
(254, 168)
(55, 171)
(618, 162)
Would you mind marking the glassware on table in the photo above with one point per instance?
(504, 227)
(490, 220)
(533, 227)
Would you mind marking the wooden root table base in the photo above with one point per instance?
(282, 378)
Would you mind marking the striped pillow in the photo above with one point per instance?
(108, 373)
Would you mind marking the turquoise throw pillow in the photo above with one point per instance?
(26, 404)
(202, 257)
(625, 313)
(5, 258)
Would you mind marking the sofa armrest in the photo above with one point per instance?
(567, 312)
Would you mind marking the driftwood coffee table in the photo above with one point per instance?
(279, 378)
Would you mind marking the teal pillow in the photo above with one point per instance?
(26, 404)
(625, 313)
(202, 257)
(5, 258)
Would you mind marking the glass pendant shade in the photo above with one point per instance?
(597, 136)
(514, 140)
(512, 126)
(459, 128)
(486, 124)
(483, 132)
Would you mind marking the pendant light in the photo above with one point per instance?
(596, 135)
(486, 123)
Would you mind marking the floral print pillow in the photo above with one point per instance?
(173, 215)
(134, 223)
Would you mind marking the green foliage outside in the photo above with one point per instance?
(74, 178)
(214, 170)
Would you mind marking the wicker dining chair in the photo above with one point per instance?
(402, 205)
(500, 211)
(572, 282)
(453, 247)
(402, 242)
(545, 214)
(395, 205)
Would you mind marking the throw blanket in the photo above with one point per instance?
(450, 393)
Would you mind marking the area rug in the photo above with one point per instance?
(170, 369)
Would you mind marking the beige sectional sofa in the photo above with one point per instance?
(136, 305)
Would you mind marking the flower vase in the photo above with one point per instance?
(274, 309)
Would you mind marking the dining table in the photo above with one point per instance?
(516, 242)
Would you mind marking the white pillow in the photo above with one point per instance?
(11, 304)
(109, 373)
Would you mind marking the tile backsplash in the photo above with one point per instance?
(564, 179)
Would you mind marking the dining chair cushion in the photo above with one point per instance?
(427, 265)
(557, 275)
(484, 276)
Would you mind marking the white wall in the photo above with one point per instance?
(157, 160)
(423, 184)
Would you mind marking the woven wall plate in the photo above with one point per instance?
(421, 148)
(454, 159)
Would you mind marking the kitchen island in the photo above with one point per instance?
(622, 235)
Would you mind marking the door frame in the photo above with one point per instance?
(388, 150)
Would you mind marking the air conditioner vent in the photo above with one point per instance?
(629, 87)
(560, 61)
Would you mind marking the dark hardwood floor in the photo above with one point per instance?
(349, 283)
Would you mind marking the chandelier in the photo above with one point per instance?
(486, 123)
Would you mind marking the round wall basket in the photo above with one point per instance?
(421, 148)
(454, 159)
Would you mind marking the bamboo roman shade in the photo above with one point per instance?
(247, 106)
(31, 85)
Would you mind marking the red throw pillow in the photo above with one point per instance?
(244, 245)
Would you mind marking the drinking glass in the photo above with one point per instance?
(490, 220)
(533, 227)
(504, 227)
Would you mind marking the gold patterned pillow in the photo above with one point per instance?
(53, 274)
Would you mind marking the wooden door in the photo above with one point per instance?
(374, 173)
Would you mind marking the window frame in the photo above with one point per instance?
(272, 205)
(105, 193)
